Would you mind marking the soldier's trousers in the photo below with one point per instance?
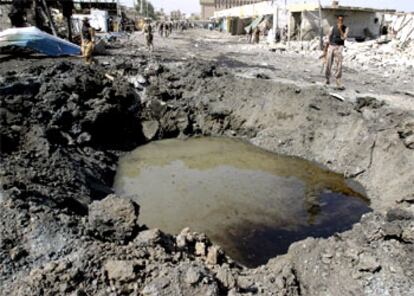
(335, 56)
(87, 49)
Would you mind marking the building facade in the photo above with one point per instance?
(209, 7)
(364, 23)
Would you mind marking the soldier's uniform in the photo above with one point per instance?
(87, 41)
(335, 53)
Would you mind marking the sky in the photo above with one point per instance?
(189, 6)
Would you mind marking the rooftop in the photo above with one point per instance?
(315, 6)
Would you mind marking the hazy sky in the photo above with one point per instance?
(189, 6)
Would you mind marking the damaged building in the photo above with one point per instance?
(303, 20)
(365, 23)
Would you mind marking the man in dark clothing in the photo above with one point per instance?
(337, 36)
(17, 13)
(149, 37)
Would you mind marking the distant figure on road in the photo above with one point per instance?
(149, 37)
(256, 35)
(161, 29)
(249, 34)
(167, 29)
(88, 38)
(171, 28)
(285, 33)
(337, 36)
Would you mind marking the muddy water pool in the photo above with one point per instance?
(251, 202)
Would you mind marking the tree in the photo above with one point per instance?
(145, 8)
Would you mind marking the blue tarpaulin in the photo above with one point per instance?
(37, 40)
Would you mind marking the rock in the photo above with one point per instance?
(398, 214)
(368, 101)
(83, 138)
(226, 278)
(408, 234)
(113, 219)
(148, 237)
(181, 239)
(200, 249)
(245, 283)
(409, 142)
(213, 255)
(150, 129)
(219, 111)
(155, 287)
(192, 276)
(137, 81)
(392, 230)
(120, 271)
(17, 253)
(368, 263)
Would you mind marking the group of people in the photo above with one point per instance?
(333, 47)
(253, 35)
(165, 29)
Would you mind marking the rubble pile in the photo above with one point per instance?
(63, 232)
(392, 57)
(403, 27)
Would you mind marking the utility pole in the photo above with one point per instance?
(320, 26)
(142, 7)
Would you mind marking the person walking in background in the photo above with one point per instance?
(337, 36)
(149, 37)
(256, 35)
(249, 34)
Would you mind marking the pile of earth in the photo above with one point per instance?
(62, 130)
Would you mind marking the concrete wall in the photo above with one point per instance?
(362, 24)
(252, 10)
(207, 11)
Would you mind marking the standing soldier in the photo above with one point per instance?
(167, 29)
(337, 36)
(161, 29)
(171, 27)
(149, 37)
(249, 34)
(256, 35)
(88, 37)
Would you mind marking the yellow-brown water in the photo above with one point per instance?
(251, 202)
